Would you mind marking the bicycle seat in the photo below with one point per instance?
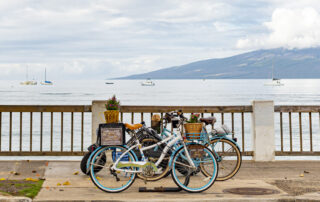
(209, 120)
(133, 126)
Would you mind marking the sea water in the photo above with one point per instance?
(165, 92)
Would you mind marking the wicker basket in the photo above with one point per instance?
(193, 130)
(111, 116)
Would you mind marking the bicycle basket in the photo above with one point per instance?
(196, 136)
(112, 134)
(193, 130)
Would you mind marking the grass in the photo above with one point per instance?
(21, 187)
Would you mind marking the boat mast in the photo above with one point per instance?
(272, 69)
(45, 74)
(27, 73)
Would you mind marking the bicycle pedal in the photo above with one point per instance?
(206, 179)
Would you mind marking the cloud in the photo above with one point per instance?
(289, 28)
(97, 39)
(190, 11)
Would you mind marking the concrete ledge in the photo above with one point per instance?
(197, 200)
(14, 199)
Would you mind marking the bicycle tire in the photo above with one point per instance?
(222, 176)
(97, 180)
(188, 184)
(84, 160)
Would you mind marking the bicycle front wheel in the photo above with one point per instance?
(107, 179)
(228, 156)
(191, 180)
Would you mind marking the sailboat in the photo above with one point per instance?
(45, 82)
(274, 81)
(148, 82)
(28, 82)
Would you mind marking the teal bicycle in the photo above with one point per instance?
(226, 150)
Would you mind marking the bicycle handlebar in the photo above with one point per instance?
(174, 114)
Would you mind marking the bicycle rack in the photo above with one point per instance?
(164, 189)
(160, 189)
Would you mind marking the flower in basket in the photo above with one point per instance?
(193, 127)
(113, 103)
(112, 113)
(194, 118)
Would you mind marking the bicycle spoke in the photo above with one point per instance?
(189, 177)
(228, 156)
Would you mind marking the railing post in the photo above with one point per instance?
(97, 108)
(263, 137)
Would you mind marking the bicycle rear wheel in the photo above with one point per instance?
(83, 163)
(192, 180)
(228, 156)
(107, 179)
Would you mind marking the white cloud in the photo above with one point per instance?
(290, 28)
(118, 22)
(223, 27)
(190, 11)
(110, 38)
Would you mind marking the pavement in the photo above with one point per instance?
(256, 181)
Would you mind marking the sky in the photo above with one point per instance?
(101, 39)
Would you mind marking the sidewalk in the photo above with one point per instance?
(282, 178)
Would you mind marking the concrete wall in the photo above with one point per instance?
(263, 139)
(98, 107)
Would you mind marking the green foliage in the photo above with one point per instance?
(113, 103)
(194, 118)
(21, 187)
(32, 190)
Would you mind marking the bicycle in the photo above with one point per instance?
(225, 149)
(120, 175)
(145, 135)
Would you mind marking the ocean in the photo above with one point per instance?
(165, 92)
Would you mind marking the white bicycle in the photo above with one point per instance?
(122, 165)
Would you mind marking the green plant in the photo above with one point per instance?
(113, 103)
(194, 118)
(20, 188)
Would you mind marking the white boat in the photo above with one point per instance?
(45, 82)
(28, 82)
(148, 82)
(32, 83)
(274, 81)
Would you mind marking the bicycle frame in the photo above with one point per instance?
(172, 140)
(205, 141)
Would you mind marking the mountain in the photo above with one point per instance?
(294, 63)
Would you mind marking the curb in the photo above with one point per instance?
(291, 199)
(14, 199)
